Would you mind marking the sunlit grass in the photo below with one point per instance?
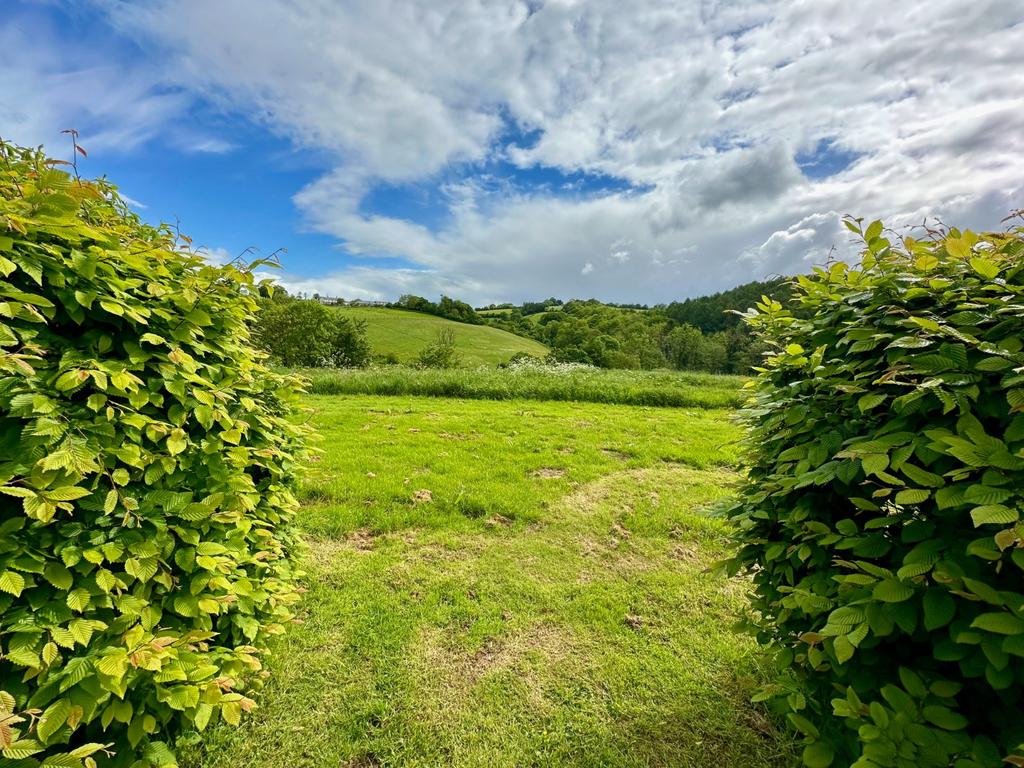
(511, 584)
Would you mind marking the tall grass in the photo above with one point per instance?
(536, 382)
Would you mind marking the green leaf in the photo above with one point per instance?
(23, 749)
(999, 623)
(78, 599)
(53, 719)
(873, 463)
(912, 496)
(58, 575)
(867, 402)
(944, 718)
(987, 269)
(113, 665)
(818, 754)
(922, 477)
(231, 711)
(12, 582)
(843, 649)
(939, 608)
(1015, 397)
(66, 493)
(176, 442)
(802, 724)
(958, 247)
(892, 591)
(986, 495)
(993, 514)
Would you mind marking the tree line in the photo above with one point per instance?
(700, 334)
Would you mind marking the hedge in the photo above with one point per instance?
(880, 519)
(147, 468)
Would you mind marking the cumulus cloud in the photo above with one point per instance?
(698, 109)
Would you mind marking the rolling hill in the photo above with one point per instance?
(404, 334)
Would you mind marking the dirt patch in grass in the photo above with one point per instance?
(525, 653)
(687, 553)
(422, 496)
(548, 473)
(362, 540)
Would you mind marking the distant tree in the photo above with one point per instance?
(440, 353)
(717, 311)
(683, 347)
(449, 308)
(299, 333)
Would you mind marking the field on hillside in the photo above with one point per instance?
(404, 333)
(511, 583)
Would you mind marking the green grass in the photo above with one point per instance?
(580, 384)
(536, 317)
(404, 333)
(511, 584)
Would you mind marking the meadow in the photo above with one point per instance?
(402, 334)
(537, 382)
(511, 583)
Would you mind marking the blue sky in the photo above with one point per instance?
(505, 150)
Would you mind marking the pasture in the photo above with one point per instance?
(511, 583)
(403, 334)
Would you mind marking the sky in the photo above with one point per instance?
(640, 151)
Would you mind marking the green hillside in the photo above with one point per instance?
(404, 334)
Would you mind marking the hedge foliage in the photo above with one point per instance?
(880, 521)
(146, 475)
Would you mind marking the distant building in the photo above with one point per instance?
(365, 303)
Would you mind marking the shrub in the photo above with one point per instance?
(441, 353)
(880, 516)
(300, 333)
(146, 472)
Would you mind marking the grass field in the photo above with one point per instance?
(575, 383)
(404, 333)
(511, 584)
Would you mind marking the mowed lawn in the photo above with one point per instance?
(511, 584)
(403, 334)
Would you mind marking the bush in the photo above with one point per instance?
(147, 477)
(880, 516)
(301, 333)
(441, 353)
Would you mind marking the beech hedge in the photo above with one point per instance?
(147, 465)
(880, 521)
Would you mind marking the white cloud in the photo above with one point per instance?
(702, 106)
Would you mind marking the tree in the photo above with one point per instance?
(300, 334)
(441, 353)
